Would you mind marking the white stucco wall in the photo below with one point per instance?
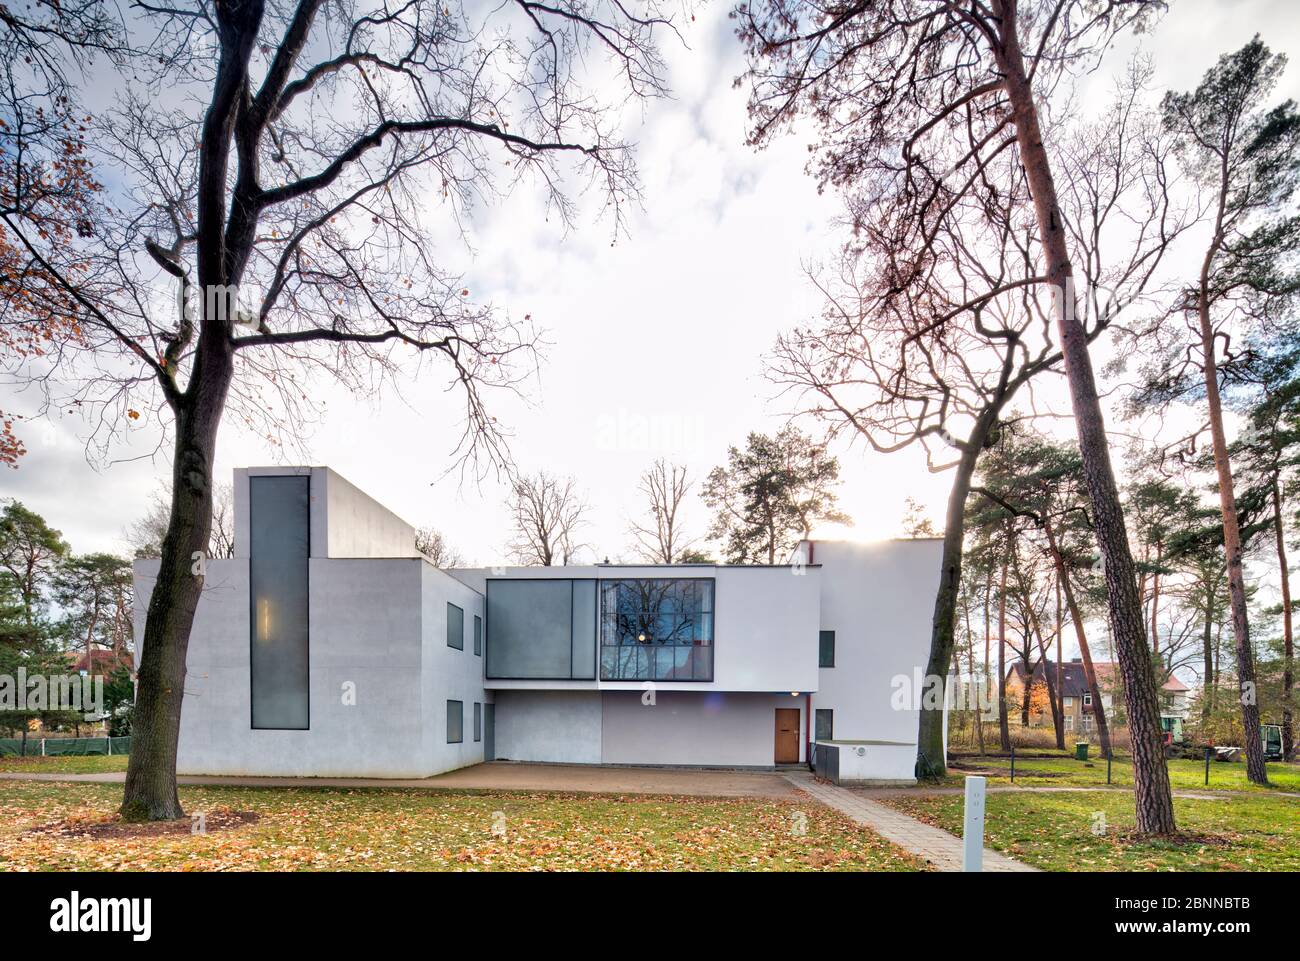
(879, 600)
(447, 673)
(377, 625)
(344, 521)
(765, 626)
(552, 726)
(712, 729)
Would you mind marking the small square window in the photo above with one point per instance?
(826, 649)
(455, 722)
(1087, 700)
(478, 721)
(478, 635)
(455, 627)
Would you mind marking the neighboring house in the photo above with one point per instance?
(100, 660)
(327, 646)
(1174, 694)
(1076, 698)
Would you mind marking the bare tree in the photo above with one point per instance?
(145, 535)
(274, 222)
(928, 335)
(660, 538)
(430, 542)
(546, 512)
(920, 99)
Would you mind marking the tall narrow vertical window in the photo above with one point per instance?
(278, 549)
(826, 649)
(455, 627)
(455, 722)
(478, 635)
(478, 721)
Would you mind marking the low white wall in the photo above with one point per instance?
(874, 763)
(553, 726)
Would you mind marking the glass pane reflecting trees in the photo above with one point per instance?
(656, 629)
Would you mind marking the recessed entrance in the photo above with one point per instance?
(787, 735)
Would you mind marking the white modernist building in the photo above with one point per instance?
(328, 646)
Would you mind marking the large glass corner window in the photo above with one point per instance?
(656, 629)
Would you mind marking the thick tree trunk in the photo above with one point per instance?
(1288, 648)
(150, 792)
(1154, 800)
(1246, 689)
(1098, 708)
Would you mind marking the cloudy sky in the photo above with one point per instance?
(655, 343)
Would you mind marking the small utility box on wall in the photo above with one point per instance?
(866, 762)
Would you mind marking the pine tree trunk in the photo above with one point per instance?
(1208, 680)
(1288, 649)
(1003, 732)
(1098, 708)
(1154, 800)
(1247, 693)
(1058, 723)
(931, 761)
(1060, 686)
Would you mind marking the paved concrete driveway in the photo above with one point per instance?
(512, 776)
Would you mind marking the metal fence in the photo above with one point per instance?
(63, 746)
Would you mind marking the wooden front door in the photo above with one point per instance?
(787, 735)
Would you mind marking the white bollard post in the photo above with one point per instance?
(972, 853)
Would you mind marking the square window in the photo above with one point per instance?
(455, 722)
(455, 627)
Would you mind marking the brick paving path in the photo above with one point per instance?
(941, 849)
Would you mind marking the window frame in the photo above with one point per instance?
(478, 635)
(817, 712)
(820, 636)
(460, 711)
(461, 645)
(478, 721)
(572, 675)
(711, 646)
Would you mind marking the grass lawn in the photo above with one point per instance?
(376, 830)
(1183, 775)
(1055, 831)
(70, 764)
